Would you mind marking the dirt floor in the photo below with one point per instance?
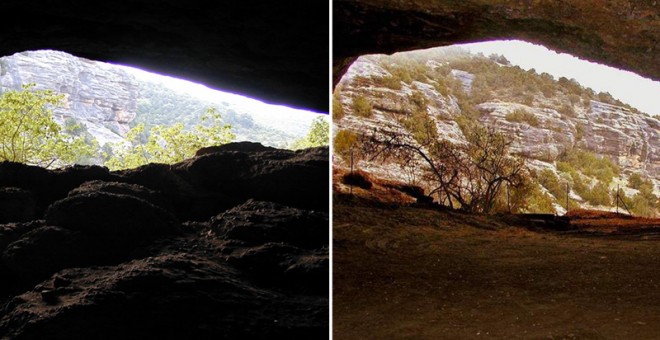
(425, 274)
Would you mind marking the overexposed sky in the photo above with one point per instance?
(205, 93)
(630, 88)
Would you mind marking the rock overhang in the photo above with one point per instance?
(274, 52)
(618, 33)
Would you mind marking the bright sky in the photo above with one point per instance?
(205, 93)
(630, 88)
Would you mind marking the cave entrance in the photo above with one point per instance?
(108, 114)
(582, 129)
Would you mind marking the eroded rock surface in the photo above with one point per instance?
(619, 33)
(111, 258)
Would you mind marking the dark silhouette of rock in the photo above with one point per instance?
(163, 297)
(41, 252)
(112, 217)
(256, 222)
(238, 146)
(359, 179)
(276, 52)
(287, 177)
(134, 190)
(112, 260)
(11, 232)
(285, 266)
(16, 205)
(200, 187)
(276, 244)
(367, 27)
(190, 202)
(48, 186)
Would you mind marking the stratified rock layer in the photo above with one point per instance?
(102, 96)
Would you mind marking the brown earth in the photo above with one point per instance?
(408, 272)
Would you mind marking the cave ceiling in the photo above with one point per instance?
(275, 51)
(622, 34)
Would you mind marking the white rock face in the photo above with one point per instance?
(102, 96)
(630, 139)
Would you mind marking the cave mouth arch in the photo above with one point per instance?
(102, 102)
(561, 123)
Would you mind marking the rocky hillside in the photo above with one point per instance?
(101, 96)
(109, 99)
(231, 243)
(549, 119)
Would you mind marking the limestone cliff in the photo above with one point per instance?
(545, 116)
(99, 95)
(108, 99)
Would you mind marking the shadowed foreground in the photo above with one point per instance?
(419, 273)
(232, 243)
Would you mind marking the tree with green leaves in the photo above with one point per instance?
(30, 135)
(318, 135)
(168, 144)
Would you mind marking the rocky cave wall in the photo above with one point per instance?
(620, 33)
(275, 52)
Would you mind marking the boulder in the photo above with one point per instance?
(257, 222)
(42, 252)
(116, 218)
(295, 178)
(138, 191)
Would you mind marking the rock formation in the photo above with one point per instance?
(631, 139)
(619, 33)
(231, 243)
(276, 52)
(101, 96)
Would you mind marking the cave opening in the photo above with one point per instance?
(123, 117)
(587, 132)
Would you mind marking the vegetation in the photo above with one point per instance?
(526, 197)
(168, 144)
(362, 107)
(30, 135)
(523, 116)
(337, 108)
(587, 174)
(589, 164)
(159, 105)
(469, 177)
(318, 135)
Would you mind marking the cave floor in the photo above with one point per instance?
(420, 273)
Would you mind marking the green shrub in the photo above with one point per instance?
(635, 181)
(337, 108)
(564, 167)
(522, 116)
(592, 165)
(567, 110)
(391, 82)
(418, 99)
(362, 106)
(344, 142)
(579, 131)
(550, 181)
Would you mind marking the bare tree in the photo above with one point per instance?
(468, 176)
